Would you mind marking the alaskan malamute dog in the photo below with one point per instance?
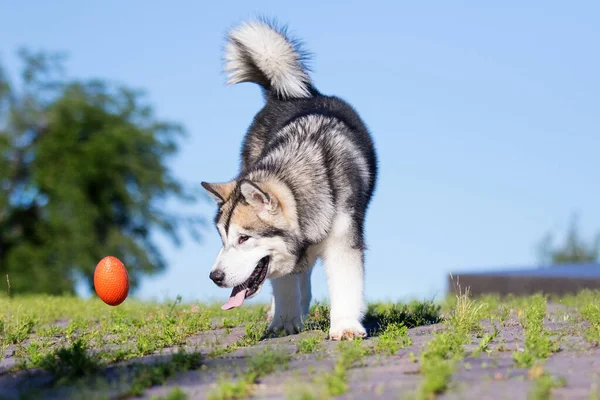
(308, 171)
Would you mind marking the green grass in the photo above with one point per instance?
(393, 338)
(75, 367)
(441, 355)
(267, 362)
(302, 391)
(543, 383)
(254, 333)
(68, 364)
(76, 339)
(439, 360)
(318, 318)
(146, 376)
(538, 344)
(591, 313)
(309, 344)
(15, 330)
(258, 366)
(231, 390)
(349, 352)
(467, 314)
(90, 335)
(137, 328)
(174, 394)
(69, 330)
(485, 342)
(381, 314)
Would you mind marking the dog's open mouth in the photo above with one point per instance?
(249, 288)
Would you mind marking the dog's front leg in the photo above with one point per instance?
(345, 279)
(286, 300)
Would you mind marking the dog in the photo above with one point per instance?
(308, 173)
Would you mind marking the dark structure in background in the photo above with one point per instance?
(555, 280)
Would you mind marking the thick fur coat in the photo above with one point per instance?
(307, 176)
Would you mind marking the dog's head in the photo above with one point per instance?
(259, 230)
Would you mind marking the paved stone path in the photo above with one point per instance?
(490, 375)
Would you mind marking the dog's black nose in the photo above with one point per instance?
(217, 276)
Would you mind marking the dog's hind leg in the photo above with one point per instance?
(305, 295)
(311, 256)
(345, 279)
(305, 291)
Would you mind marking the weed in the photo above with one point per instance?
(442, 353)
(349, 352)
(467, 313)
(227, 390)
(255, 332)
(175, 394)
(183, 361)
(146, 376)
(335, 381)
(304, 392)
(437, 374)
(538, 344)
(392, 339)
(17, 331)
(144, 326)
(309, 345)
(485, 342)
(439, 359)
(258, 366)
(266, 362)
(504, 313)
(34, 353)
(66, 364)
(591, 313)
(228, 323)
(318, 317)
(543, 383)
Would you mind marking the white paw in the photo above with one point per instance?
(289, 324)
(346, 329)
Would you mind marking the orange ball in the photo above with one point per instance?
(111, 281)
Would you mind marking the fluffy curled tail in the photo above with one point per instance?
(261, 53)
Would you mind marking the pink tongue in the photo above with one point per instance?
(236, 299)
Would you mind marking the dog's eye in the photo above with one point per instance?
(243, 238)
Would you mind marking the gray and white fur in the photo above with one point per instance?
(308, 172)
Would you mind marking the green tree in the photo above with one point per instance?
(83, 174)
(574, 250)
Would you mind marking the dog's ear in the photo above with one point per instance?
(258, 198)
(220, 192)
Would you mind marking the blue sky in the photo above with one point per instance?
(486, 117)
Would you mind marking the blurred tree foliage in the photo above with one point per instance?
(574, 250)
(83, 175)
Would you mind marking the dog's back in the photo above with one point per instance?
(264, 54)
(277, 113)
